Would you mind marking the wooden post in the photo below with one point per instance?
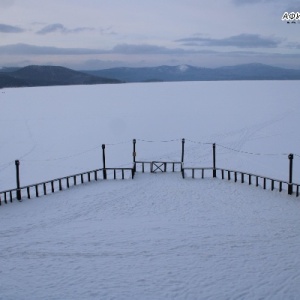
(104, 165)
(182, 150)
(182, 153)
(17, 163)
(280, 186)
(134, 156)
(290, 186)
(214, 161)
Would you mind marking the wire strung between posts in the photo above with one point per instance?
(63, 157)
(74, 155)
(6, 165)
(120, 143)
(244, 152)
(202, 143)
(168, 141)
(252, 153)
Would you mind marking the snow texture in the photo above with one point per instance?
(157, 236)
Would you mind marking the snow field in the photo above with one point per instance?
(157, 236)
(58, 131)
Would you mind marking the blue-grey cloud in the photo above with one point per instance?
(6, 3)
(141, 52)
(57, 27)
(245, 2)
(25, 49)
(145, 49)
(107, 31)
(10, 29)
(293, 45)
(289, 5)
(292, 6)
(239, 41)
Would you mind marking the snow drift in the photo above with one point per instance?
(157, 236)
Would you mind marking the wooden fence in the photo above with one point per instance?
(157, 166)
(59, 184)
(243, 177)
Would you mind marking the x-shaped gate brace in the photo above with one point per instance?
(157, 166)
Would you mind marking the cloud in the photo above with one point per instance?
(138, 55)
(6, 3)
(245, 2)
(290, 5)
(107, 31)
(239, 41)
(25, 49)
(57, 27)
(145, 49)
(10, 29)
(293, 45)
(96, 64)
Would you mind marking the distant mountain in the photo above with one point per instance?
(48, 76)
(9, 81)
(190, 73)
(54, 75)
(10, 69)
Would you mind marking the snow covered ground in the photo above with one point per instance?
(157, 236)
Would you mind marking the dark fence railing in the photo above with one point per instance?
(59, 184)
(243, 177)
(158, 166)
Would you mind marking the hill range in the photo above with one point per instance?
(190, 73)
(55, 75)
(47, 76)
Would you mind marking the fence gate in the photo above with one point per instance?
(158, 166)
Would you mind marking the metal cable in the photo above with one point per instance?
(63, 157)
(195, 142)
(251, 153)
(168, 141)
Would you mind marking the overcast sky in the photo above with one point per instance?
(97, 34)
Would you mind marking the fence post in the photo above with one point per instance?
(182, 157)
(214, 161)
(290, 186)
(103, 158)
(134, 156)
(182, 153)
(17, 163)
